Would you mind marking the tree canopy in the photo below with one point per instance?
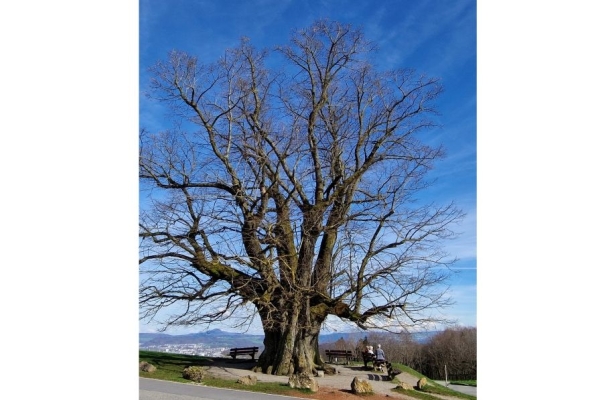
(291, 189)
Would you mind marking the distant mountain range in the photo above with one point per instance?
(219, 338)
(214, 337)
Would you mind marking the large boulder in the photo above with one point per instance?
(248, 380)
(303, 380)
(405, 386)
(147, 367)
(421, 383)
(194, 373)
(360, 386)
(329, 370)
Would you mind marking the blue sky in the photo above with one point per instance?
(437, 38)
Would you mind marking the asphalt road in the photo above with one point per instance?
(154, 389)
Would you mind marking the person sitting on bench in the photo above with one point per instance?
(379, 358)
(368, 355)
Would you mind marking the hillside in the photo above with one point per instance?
(220, 338)
(214, 337)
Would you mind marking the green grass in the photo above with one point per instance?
(431, 388)
(435, 388)
(465, 383)
(170, 367)
(260, 387)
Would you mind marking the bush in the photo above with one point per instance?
(194, 373)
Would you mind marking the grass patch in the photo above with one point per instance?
(408, 370)
(169, 367)
(432, 388)
(260, 387)
(465, 383)
(417, 394)
(436, 388)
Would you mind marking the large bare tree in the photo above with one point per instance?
(291, 191)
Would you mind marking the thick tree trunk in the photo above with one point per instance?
(291, 344)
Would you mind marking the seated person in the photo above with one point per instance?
(368, 355)
(379, 358)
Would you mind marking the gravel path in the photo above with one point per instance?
(342, 380)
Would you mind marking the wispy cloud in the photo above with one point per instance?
(415, 28)
(464, 247)
(465, 308)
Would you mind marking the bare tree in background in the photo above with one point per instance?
(292, 193)
(454, 350)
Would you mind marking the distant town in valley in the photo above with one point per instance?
(216, 343)
(199, 349)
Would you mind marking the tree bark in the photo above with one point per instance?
(291, 344)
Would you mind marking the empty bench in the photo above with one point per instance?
(241, 351)
(333, 355)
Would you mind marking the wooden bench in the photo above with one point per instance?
(335, 354)
(240, 351)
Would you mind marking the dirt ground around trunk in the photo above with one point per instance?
(331, 387)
